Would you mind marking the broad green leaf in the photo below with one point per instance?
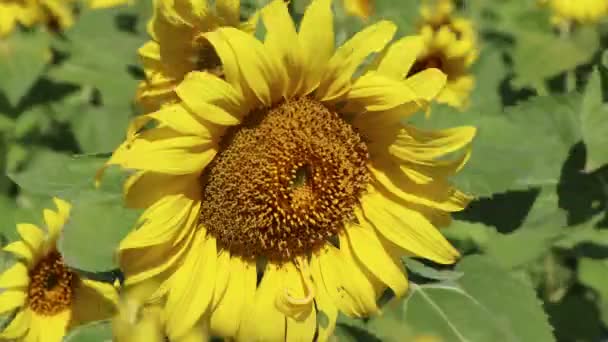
(546, 211)
(23, 57)
(100, 331)
(487, 304)
(469, 236)
(584, 233)
(91, 236)
(507, 249)
(592, 273)
(521, 148)
(539, 56)
(594, 123)
(574, 319)
(56, 174)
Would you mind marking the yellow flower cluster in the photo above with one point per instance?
(450, 44)
(55, 14)
(578, 11)
(277, 180)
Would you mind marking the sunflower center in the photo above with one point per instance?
(51, 286)
(431, 61)
(284, 181)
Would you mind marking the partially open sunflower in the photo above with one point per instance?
(578, 11)
(57, 14)
(45, 296)
(178, 45)
(288, 190)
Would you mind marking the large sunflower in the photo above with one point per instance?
(46, 297)
(450, 45)
(179, 46)
(578, 11)
(288, 191)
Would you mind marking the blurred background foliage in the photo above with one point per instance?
(535, 239)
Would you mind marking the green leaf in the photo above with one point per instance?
(521, 148)
(91, 236)
(487, 304)
(429, 272)
(100, 331)
(594, 123)
(584, 233)
(56, 174)
(507, 249)
(539, 56)
(23, 57)
(592, 273)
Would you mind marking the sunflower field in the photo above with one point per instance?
(305, 170)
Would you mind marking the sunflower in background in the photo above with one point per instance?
(179, 46)
(577, 11)
(46, 297)
(449, 44)
(56, 14)
(359, 8)
(286, 190)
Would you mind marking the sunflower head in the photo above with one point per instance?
(577, 11)
(359, 8)
(450, 44)
(46, 295)
(178, 45)
(289, 188)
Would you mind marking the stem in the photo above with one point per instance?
(565, 31)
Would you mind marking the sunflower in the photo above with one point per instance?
(287, 191)
(450, 45)
(179, 46)
(56, 14)
(359, 8)
(45, 296)
(97, 4)
(578, 11)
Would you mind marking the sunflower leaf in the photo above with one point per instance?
(23, 57)
(486, 304)
(100, 331)
(594, 123)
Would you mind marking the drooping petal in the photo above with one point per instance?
(226, 318)
(377, 92)
(370, 252)
(327, 311)
(32, 236)
(180, 119)
(398, 58)
(18, 327)
(21, 250)
(192, 286)
(265, 322)
(407, 228)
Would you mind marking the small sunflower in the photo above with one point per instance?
(56, 14)
(46, 297)
(359, 8)
(179, 46)
(288, 191)
(449, 45)
(578, 11)
(98, 4)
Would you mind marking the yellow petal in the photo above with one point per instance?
(51, 328)
(15, 276)
(226, 318)
(338, 74)
(229, 11)
(192, 287)
(18, 327)
(427, 83)
(265, 322)
(418, 145)
(11, 299)
(63, 207)
(360, 8)
(180, 119)
(97, 4)
(143, 189)
(163, 150)
(316, 38)
(93, 301)
(327, 312)
(32, 235)
(54, 223)
(399, 57)
(254, 71)
(222, 277)
(439, 194)
(346, 285)
(282, 43)
(301, 317)
(21, 250)
(370, 252)
(376, 92)
(407, 229)
(212, 99)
